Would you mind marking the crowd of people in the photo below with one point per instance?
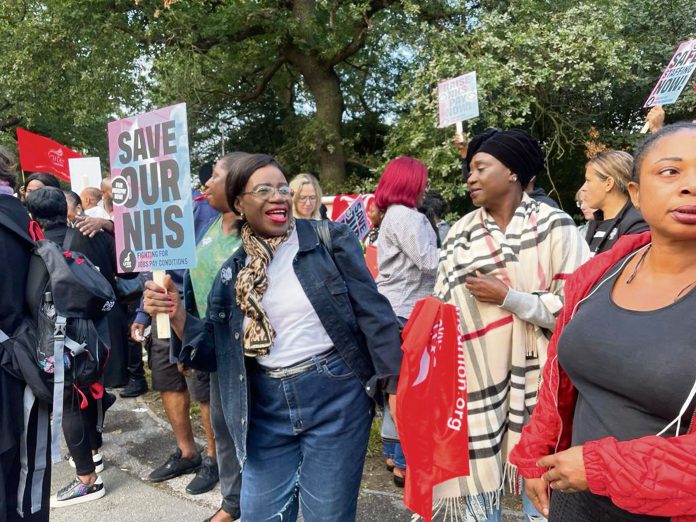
(579, 362)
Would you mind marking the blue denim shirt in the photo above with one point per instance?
(357, 318)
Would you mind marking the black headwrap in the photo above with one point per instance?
(516, 149)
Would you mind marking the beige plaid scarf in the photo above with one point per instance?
(504, 354)
(252, 282)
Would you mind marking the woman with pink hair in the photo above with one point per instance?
(407, 257)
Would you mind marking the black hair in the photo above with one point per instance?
(436, 202)
(48, 207)
(49, 180)
(242, 170)
(205, 172)
(73, 197)
(429, 213)
(647, 144)
(8, 168)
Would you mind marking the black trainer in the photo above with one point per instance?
(175, 466)
(134, 388)
(205, 479)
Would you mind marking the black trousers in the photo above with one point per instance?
(80, 430)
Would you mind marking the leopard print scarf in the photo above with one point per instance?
(252, 282)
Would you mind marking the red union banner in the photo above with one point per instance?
(432, 403)
(40, 154)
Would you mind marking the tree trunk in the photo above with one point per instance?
(325, 86)
(326, 89)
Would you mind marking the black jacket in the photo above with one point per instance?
(602, 234)
(15, 252)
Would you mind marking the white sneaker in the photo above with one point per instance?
(96, 458)
(76, 493)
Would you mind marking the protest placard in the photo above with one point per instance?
(457, 99)
(84, 172)
(675, 76)
(355, 217)
(151, 186)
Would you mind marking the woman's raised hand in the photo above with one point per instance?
(158, 300)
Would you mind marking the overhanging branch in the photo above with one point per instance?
(263, 82)
(356, 43)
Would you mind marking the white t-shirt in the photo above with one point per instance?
(97, 212)
(299, 332)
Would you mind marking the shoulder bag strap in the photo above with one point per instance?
(324, 233)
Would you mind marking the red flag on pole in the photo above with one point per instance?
(431, 402)
(40, 154)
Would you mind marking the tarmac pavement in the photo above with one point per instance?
(135, 442)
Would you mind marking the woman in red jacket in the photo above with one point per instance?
(613, 434)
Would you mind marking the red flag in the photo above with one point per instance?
(40, 154)
(431, 402)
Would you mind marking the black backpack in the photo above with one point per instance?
(69, 299)
(64, 340)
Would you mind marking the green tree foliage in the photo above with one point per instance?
(63, 77)
(296, 70)
(340, 87)
(555, 68)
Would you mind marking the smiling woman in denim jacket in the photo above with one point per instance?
(301, 340)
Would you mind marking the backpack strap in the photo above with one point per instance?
(324, 233)
(58, 384)
(32, 454)
(75, 347)
(69, 239)
(102, 328)
(37, 284)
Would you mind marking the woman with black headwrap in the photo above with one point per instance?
(504, 266)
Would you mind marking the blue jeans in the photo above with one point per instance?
(228, 465)
(306, 445)
(392, 446)
(392, 450)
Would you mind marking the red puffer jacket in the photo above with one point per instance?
(650, 475)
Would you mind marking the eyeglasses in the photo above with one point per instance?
(266, 192)
(305, 199)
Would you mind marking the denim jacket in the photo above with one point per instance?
(357, 318)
